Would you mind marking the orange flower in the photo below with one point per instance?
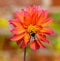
(30, 27)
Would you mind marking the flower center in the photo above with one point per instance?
(33, 34)
(32, 30)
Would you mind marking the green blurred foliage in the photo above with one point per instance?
(56, 26)
(3, 23)
(56, 23)
(13, 43)
(57, 44)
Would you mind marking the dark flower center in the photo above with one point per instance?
(33, 34)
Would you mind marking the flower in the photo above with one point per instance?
(30, 27)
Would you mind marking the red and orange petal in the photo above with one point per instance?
(17, 37)
(26, 38)
(27, 19)
(47, 31)
(42, 17)
(29, 10)
(15, 22)
(18, 30)
(20, 16)
(23, 45)
(40, 43)
(42, 38)
(34, 18)
(36, 44)
(46, 21)
(19, 41)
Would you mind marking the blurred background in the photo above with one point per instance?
(9, 51)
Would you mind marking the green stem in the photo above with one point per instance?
(24, 54)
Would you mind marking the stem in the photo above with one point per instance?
(24, 54)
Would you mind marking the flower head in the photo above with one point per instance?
(30, 27)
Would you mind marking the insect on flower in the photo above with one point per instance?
(30, 27)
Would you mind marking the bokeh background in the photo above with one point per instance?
(9, 51)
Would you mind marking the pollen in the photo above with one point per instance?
(32, 29)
